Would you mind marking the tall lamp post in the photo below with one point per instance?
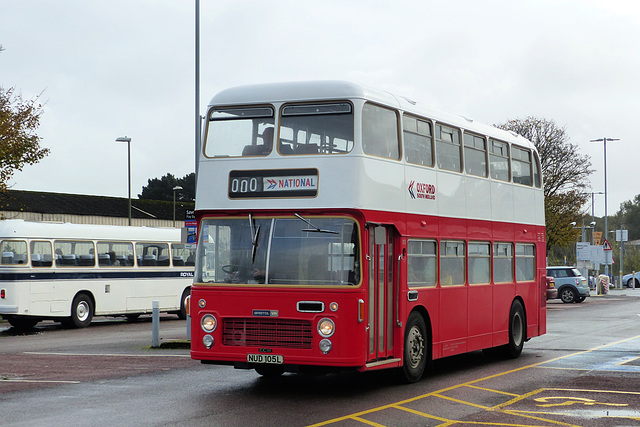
(606, 229)
(128, 141)
(176, 188)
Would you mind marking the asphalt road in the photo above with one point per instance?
(584, 372)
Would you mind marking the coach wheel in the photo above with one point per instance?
(182, 314)
(81, 311)
(567, 295)
(270, 371)
(23, 323)
(517, 331)
(415, 348)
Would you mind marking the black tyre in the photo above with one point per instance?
(416, 350)
(517, 331)
(81, 311)
(580, 299)
(23, 323)
(567, 295)
(182, 314)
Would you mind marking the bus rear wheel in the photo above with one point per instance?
(81, 311)
(415, 349)
(517, 331)
(23, 323)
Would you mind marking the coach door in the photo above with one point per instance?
(381, 292)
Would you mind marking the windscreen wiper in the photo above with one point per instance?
(254, 239)
(313, 228)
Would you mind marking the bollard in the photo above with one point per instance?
(155, 324)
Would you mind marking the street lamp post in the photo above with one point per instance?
(176, 188)
(128, 141)
(606, 230)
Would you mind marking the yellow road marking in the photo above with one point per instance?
(498, 408)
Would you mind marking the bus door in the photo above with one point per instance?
(381, 292)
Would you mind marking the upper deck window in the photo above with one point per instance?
(380, 132)
(448, 148)
(499, 160)
(418, 140)
(316, 129)
(475, 155)
(521, 166)
(235, 132)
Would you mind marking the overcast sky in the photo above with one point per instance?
(111, 68)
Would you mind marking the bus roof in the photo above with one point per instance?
(20, 229)
(302, 91)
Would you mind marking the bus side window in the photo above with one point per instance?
(380, 132)
(41, 254)
(14, 252)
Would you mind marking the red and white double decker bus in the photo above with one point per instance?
(342, 227)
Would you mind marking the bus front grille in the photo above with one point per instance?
(267, 333)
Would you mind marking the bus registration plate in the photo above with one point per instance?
(265, 358)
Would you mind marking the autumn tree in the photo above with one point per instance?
(19, 143)
(162, 188)
(565, 173)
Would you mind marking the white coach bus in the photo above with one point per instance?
(71, 272)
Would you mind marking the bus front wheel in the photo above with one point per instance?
(81, 311)
(415, 348)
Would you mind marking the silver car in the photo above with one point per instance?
(571, 285)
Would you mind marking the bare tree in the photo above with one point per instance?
(565, 173)
(19, 143)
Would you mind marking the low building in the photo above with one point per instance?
(85, 209)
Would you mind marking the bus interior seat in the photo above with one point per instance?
(307, 149)
(149, 260)
(67, 260)
(36, 260)
(7, 257)
(286, 149)
(178, 261)
(163, 260)
(254, 150)
(86, 260)
(104, 260)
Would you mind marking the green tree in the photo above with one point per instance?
(162, 188)
(19, 143)
(565, 173)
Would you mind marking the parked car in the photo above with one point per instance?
(552, 292)
(631, 280)
(571, 285)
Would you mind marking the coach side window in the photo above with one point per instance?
(75, 253)
(421, 263)
(499, 160)
(13, 252)
(475, 155)
(502, 262)
(448, 148)
(418, 141)
(41, 254)
(452, 263)
(380, 132)
(152, 254)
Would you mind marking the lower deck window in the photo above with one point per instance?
(452, 263)
(421, 263)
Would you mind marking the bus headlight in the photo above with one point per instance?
(208, 323)
(207, 340)
(325, 345)
(326, 327)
